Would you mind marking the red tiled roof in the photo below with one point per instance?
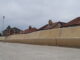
(51, 26)
(75, 21)
(29, 30)
(42, 28)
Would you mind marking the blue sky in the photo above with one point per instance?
(22, 13)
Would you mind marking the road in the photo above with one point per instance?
(14, 51)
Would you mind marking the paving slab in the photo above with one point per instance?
(15, 51)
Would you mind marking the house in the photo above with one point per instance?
(29, 30)
(74, 22)
(10, 31)
(16, 30)
(52, 25)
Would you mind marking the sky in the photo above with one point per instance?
(22, 13)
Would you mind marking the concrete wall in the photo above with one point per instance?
(45, 34)
(2, 38)
(70, 32)
(60, 37)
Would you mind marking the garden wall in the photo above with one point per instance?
(60, 37)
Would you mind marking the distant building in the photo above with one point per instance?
(10, 31)
(29, 30)
(52, 25)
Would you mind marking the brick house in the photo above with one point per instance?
(72, 23)
(52, 25)
(10, 31)
(29, 30)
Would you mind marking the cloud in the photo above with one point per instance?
(22, 13)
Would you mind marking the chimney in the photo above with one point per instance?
(30, 27)
(50, 22)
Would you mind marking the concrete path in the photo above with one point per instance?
(14, 51)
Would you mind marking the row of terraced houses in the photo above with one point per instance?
(51, 25)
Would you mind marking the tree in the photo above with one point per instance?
(9, 27)
(0, 34)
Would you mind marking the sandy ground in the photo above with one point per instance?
(14, 51)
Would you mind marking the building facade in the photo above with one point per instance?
(29, 30)
(10, 31)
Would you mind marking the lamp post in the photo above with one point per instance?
(3, 21)
(3, 24)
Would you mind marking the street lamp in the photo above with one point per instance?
(3, 24)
